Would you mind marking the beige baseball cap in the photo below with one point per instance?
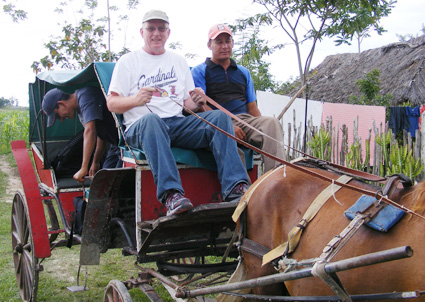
(155, 15)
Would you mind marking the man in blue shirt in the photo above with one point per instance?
(231, 86)
(99, 125)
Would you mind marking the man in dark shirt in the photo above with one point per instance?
(99, 125)
(231, 86)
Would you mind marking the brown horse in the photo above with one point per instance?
(280, 201)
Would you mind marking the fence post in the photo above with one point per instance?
(422, 143)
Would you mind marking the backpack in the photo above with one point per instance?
(80, 210)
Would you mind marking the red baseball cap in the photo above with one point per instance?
(217, 29)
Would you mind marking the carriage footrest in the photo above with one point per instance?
(387, 217)
(168, 268)
(203, 231)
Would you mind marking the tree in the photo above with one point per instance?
(249, 52)
(83, 43)
(7, 102)
(313, 20)
(370, 86)
(363, 23)
(16, 14)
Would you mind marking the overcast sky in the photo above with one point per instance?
(190, 21)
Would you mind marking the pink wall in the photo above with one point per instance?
(347, 114)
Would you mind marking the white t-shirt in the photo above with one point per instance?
(169, 72)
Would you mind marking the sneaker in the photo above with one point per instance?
(237, 192)
(176, 203)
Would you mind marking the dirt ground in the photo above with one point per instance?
(14, 181)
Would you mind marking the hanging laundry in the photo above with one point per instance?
(413, 115)
(398, 119)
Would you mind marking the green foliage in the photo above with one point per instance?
(249, 52)
(320, 145)
(83, 43)
(367, 16)
(14, 125)
(384, 142)
(80, 46)
(402, 161)
(370, 86)
(16, 14)
(354, 158)
(397, 159)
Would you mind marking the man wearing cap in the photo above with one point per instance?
(231, 85)
(148, 87)
(99, 125)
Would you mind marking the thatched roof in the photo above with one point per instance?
(401, 68)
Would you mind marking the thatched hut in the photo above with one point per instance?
(401, 67)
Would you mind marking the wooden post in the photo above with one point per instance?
(422, 143)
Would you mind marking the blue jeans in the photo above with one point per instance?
(155, 136)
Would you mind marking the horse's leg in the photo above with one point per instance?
(255, 270)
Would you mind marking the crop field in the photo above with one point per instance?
(14, 125)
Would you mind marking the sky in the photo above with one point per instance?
(190, 20)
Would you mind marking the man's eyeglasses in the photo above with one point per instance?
(152, 29)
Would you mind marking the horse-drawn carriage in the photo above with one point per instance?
(121, 211)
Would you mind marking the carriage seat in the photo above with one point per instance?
(65, 180)
(199, 158)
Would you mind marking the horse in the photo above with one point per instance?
(277, 203)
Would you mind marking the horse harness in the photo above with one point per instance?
(278, 257)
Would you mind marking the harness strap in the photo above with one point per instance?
(254, 248)
(294, 235)
(338, 242)
(243, 203)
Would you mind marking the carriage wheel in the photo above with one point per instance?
(116, 292)
(54, 223)
(26, 264)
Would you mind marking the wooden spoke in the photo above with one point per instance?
(23, 254)
(116, 292)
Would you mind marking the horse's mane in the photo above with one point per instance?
(417, 196)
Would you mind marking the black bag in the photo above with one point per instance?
(69, 160)
(80, 210)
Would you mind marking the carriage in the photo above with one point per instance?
(122, 212)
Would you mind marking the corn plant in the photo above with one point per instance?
(14, 125)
